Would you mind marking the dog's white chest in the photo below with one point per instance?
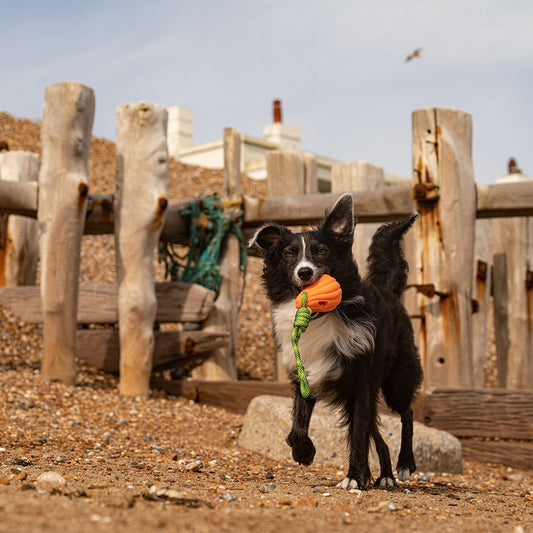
(316, 344)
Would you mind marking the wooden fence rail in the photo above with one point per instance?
(382, 205)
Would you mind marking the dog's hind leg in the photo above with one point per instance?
(303, 449)
(386, 477)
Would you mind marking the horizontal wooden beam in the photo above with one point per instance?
(369, 206)
(18, 198)
(515, 454)
(505, 200)
(100, 348)
(231, 395)
(389, 203)
(98, 303)
(501, 413)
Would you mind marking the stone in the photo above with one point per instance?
(51, 481)
(268, 421)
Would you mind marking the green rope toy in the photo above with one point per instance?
(321, 296)
(301, 321)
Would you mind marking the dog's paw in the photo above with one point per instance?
(385, 483)
(303, 449)
(404, 474)
(348, 484)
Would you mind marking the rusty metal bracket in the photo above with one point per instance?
(425, 192)
(482, 270)
(428, 290)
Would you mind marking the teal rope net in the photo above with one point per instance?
(209, 225)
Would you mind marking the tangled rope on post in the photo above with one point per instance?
(209, 225)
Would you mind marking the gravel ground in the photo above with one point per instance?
(82, 458)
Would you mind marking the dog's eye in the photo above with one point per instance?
(321, 250)
(290, 251)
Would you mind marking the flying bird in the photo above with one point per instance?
(414, 54)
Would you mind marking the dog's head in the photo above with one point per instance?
(295, 260)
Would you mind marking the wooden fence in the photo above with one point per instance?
(447, 271)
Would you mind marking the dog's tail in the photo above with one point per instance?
(386, 264)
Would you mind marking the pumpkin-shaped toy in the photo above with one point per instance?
(322, 296)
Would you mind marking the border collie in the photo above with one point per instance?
(365, 345)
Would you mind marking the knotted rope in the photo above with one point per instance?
(301, 321)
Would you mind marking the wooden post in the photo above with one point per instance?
(63, 188)
(513, 297)
(140, 205)
(289, 173)
(19, 244)
(481, 298)
(223, 318)
(443, 183)
(358, 176)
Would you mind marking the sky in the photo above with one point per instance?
(337, 65)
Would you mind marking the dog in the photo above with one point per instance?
(366, 344)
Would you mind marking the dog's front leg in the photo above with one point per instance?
(303, 450)
(358, 476)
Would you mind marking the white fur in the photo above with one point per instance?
(304, 262)
(326, 340)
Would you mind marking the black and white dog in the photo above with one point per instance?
(365, 345)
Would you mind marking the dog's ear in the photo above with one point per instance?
(266, 237)
(340, 222)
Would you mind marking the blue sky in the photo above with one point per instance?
(337, 65)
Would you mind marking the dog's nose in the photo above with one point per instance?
(305, 273)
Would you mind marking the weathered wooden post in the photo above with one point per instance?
(481, 299)
(289, 173)
(358, 176)
(140, 206)
(223, 317)
(19, 243)
(513, 295)
(63, 189)
(443, 182)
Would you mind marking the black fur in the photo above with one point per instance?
(365, 345)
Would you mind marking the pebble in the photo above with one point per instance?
(267, 487)
(228, 496)
(515, 477)
(424, 477)
(51, 480)
(194, 466)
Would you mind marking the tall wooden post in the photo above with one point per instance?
(513, 296)
(19, 244)
(63, 190)
(223, 317)
(358, 176)
(443, 184)
(140, 207)
(289, 173)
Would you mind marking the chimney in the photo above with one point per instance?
(287, 137)
(513, 167)
(276, 109)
